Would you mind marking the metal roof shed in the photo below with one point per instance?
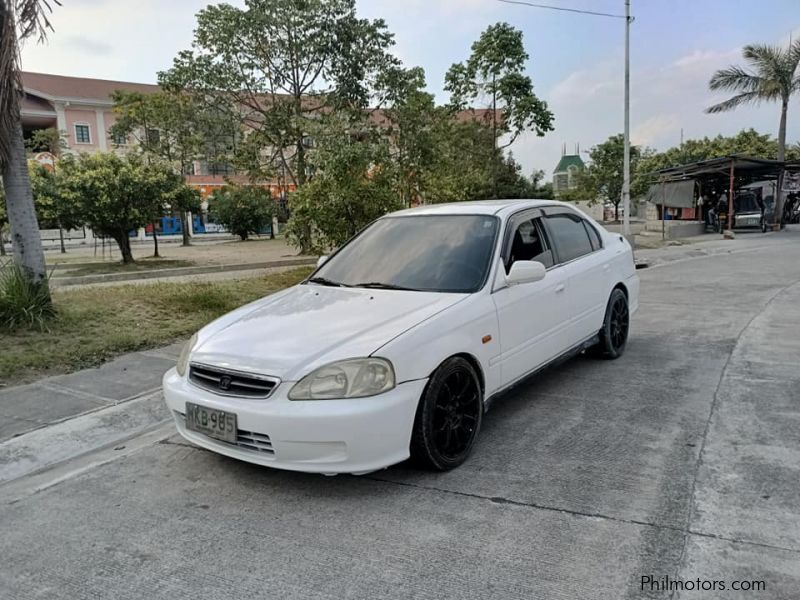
(727, 172)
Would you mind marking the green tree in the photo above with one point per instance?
(747, 141)
(464, 155)
(19, 20)
(511, 183)
(243, 210)
(495, 69)
(771, 75)
(353, 185)
(46, 140)
(542, 190)
(165, 125)
(53, 208)
(276, 66)
(601, 180)
(409, 119)
(117, 195)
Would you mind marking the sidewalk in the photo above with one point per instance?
(55, 399)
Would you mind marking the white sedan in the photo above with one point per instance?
(397, 343)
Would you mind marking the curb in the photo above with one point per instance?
(177, 272)
(45, 447)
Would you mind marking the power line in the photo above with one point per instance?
(562, 8)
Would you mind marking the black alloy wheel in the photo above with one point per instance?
(614, 334)
(448, 416)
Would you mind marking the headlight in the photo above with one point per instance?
(183, 359)
(353, 378)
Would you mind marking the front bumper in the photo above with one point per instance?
(356, 436)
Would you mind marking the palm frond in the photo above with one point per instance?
(32, 17)
(735, 79)
(738, 100)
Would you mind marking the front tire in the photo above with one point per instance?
(616, 325)
(448, 417)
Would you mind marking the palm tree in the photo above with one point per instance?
(771, 76)
(28, 18)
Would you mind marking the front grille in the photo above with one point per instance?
(247, 440)
(228, 382)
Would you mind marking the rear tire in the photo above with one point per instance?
(449, 416)
(616, 325)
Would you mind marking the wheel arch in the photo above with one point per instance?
(622, 287)
(474, 362)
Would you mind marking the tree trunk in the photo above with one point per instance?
(494, 137)
(155, 243)
(185, 228)
(781, 157)
(2, 242)
(124, 243)
(26, 241)
(616, 212)
(61, 239)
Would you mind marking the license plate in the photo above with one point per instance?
(214, 423)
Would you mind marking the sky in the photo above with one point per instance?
(576, 61)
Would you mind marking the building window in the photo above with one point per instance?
(153, 137)
(119, 139)
(82, 135)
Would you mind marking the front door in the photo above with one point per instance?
(532, 316)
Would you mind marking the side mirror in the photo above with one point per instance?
(321, 260)
(525, 271)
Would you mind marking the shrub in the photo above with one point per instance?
(242, 210)
(23, 303)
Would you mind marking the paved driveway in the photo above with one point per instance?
(680, 460)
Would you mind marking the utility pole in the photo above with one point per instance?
(626, 168)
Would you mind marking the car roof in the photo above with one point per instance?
(476, 207)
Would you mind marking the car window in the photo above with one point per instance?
(529, 243)
(594, 237)
(569, 236)
(438, 253)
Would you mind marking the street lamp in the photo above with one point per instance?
(626, 174)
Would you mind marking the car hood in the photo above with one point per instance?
(289, 334)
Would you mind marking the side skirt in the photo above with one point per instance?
(561, 358)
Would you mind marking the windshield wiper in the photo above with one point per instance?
(377, 285)
(325, 281)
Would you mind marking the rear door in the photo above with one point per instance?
(533, 317)
(580, 254)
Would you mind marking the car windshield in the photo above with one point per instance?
(441, 253)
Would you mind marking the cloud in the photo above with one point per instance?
(665, 98)
(88, 46)
(649, 131)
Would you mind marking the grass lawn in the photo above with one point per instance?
(95, 268)
(96, 324)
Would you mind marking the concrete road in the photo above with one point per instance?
(680, 460)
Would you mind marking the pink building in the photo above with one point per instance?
(80, 108)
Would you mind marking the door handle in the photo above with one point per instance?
(560, 288)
